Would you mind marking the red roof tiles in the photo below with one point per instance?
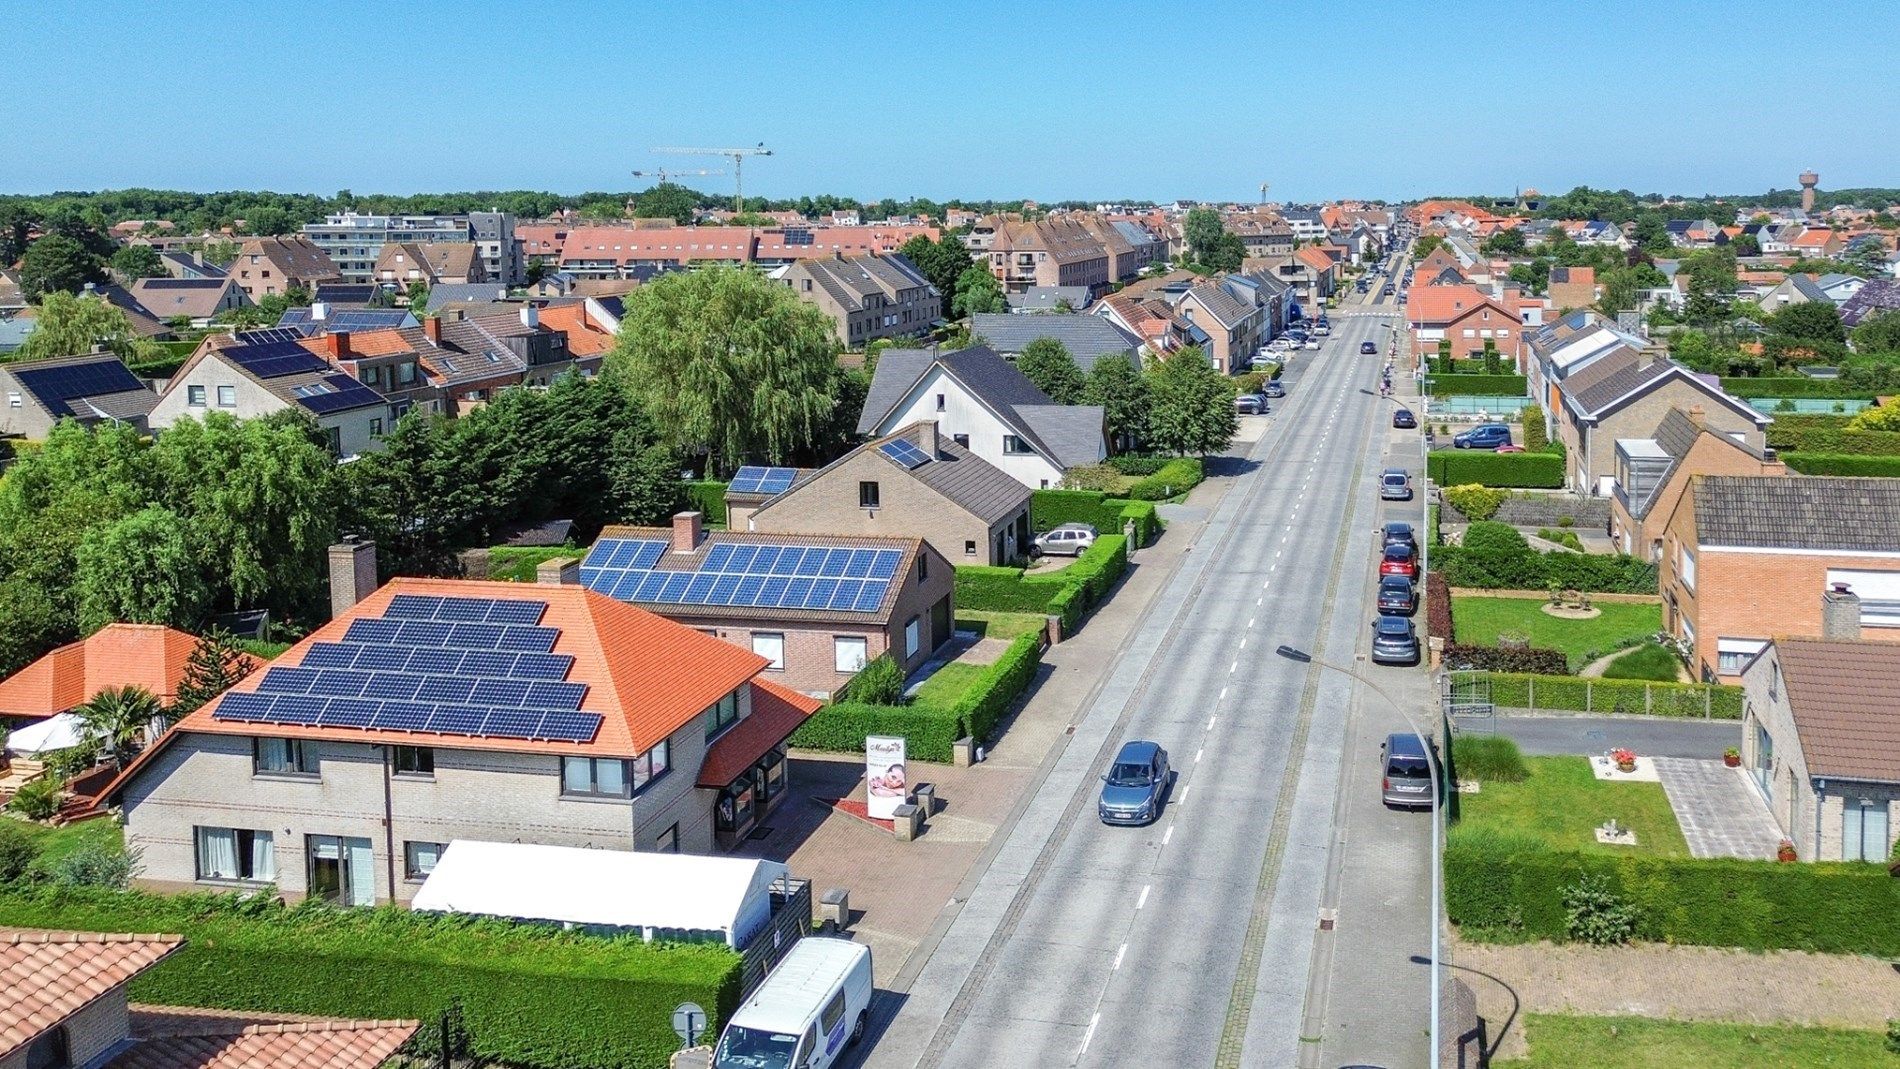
(151, 656)
(49, 976)
(171, 1038)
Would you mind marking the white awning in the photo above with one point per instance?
(660, 895)
(61, 732)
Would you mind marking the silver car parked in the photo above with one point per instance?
(1068, 540)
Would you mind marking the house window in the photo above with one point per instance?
(235, 854)
(375, 426)
(913, 636)
(612, 777)
(771, 646)
(227, 397)
(1685, 567)
(722, 714)
(1016, 446)
(413, 760)
(418, 859)
(969, 547)
(867, 495)
(848, 652)
(287, 757)
(923, 566)
(406, 373)
(940, 402)
(1733, 654)
(669, 841)
(1864, 834)
(194, 396)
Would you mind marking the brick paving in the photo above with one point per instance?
(1721, 813)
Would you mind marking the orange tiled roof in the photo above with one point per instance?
(1445, 304)
(177, 1038)
(776, 713)
(585, 337)
(1313, 257)
(152, 656)
(646, 676)
(364, 343)
(48, 976)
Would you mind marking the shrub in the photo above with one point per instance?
(1177, 476)
(1476, 502)
(1138, 463)
(986, 700)
(1092, 477)
(1535, 437)
(709, 497)
(17, 851)
(879, 682)
(1842, 464)
(93, 865)
(1052, 508)
(1454, 467)
(841, 727)
(1529, 660)
(1594, 914)
(38, 800)
(1488, 537)
(1792, 386)
(535, 995)
(1479, 385)
(1835, 441)
(1565, 538)
(1524, 690)
(1487, 759)
(1438, 619)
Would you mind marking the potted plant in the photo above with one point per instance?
(1625, 759)
(1785, 852)
(1732, 757)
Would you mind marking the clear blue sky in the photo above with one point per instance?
(975, 99)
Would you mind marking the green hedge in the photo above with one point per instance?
(1478, 385)
(1835, 441)
(533, 995)
(929, 730)
(1068, 593)
(1456, 467)
(1053, 508)
(1506, 889)
(1792, 386)
(1178, 476)
(1575, 694)
(1839, 464)
(517, 564)
(987, 699)
(709, 497)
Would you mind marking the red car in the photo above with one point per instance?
(1510, 449)
(1399, 560)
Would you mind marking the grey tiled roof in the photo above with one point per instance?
(1220, 303)
(1843, 695)
(1676, 433)
(447, 292)
(1798, 512)
(897, 371)
(1612, 378)
(1877, 295)
(1046, 298)
(1085, 336)
(978, 487)
(1060, 432)
(1070, 435)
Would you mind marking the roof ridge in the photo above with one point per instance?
(36, 937)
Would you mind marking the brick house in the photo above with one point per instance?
(1652, 472)
(440, 709)
(1467, 317)
(1746, 557)
(815, 607)
(1572, 287)
(91, 388)
(1047, 252)
(149, 656)
(1235, 329)
(1625, 394)
(266, 266)
(967, 509)
(403, 263)
(866, 297)
(1821, 742)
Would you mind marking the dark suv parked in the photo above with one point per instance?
(1483, 436)
(1396, 597)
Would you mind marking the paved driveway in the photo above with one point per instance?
(1721, 813)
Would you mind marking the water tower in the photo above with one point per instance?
(1808, 181)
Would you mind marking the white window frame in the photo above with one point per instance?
(849, 653)
(227, 392)
(913, 636)
(1685, 566)
(771, 646)
(194, 396)
(420, 858)
(1733, 654)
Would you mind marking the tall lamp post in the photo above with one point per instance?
(1438, 786)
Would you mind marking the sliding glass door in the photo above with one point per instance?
(342, 870)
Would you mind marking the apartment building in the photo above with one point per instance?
(866, 297)
(355, 241)
(1056, 251)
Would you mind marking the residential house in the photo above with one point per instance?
(1816, 243)
(1820, 739)
(189, 265)
(270, 266)
(322, 317)
(433, 710)
(911, 484)
(1306, 223)
(815, 607)
(355, 241)
(1038, 300)
(1086, 337)
(94, 388)
(1261, 290)
(1566, 345)
(149, 656)
(1626, 394)
(402, 264)
(72, 1009)
(1572, 287)
(866, 297)
(1263, 235)
(1126, 257)
(255, 373)
(1467, 317)
(1310, 273)
(981, 401)
(199, 300)
(1151, 319)
(1881, 295)
(1234, 327)
(1747, 557)
(1055, 251)
(1652, 472)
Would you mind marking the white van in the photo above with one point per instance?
(813, 1005)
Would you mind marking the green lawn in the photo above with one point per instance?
(947, 684)
(1562, 803)
(1645, 1043)
(1003, 625)
(1478, 621)
(517, 563)
(55, 843)
(1651, 662)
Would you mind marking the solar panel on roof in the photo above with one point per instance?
(329, 655)
(373, 631)
(345, 393)
(380, 658)
(244, 707)
(476, 636)
(486, 663)
(548, 695)
(349, 713)
(904, 453)
(402, 716)
(340, 683)
(392, 685)
(464, 609)
(510, 611)
(287, 680)
(425, 633)
(528, 639)
(296, 709)
(490, 692)
(650, 587)
(457, 720)
(434, 662)
(543, 666)
(445, 689)
(570, 727)
(716, 559)
(512, 723)
(734, 574)
(57, 385)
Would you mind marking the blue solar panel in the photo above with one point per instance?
(904, 453)
(556, 695)
(620, 554)
(589, 576)
(380, 658)
(287, 680)
(337, 683)
(296, 709)
(330, 655)
(651, 583)
(649, 554)
(626, 584)
(418, 633)
(796, 592)
(717, 558)
(374, 632)
(698, 590)
(412, 607)
(349, 713)
(342, 392)
(476, 636)
(676, 586)
(885, 565)
(510, 611)
(393, 685)
(746, 480)
(761, 480)
(543, 666)
(457, 719)
(512, 723)
(439, 689)
(57, 385)
(846, 596)
(766, 560)
(821, 592)
(748, 590)
(570, 727)
(464, 609)
(483, 663)
(402, 716)
(435, 662)
(722, 590)
(528, 639)
(244, 707)
(772, 593)
(871, 597)
(500, 692)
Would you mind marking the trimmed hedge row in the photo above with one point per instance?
(532, 995)
(1836, 441)
(1177, 476)
(1523, 690)
(1479, 385)
(1839, 464)
(1053, 508)
(1456, 467)
(709, 497)
(987, 699)
(1745, 386)
(1591, 572)
(1067, 593)
(1507, 890)
(929, 730)
(1531, 660)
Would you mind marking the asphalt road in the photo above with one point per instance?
(1188, 942)
(1543, 736)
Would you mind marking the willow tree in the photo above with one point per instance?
(729, 364)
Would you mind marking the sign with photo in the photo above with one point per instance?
(885, 778)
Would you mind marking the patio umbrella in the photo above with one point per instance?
(61, 732)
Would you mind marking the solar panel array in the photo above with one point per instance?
(904, 453)
(54, 386)
(342, 392)
(476, 667)
(267, 334)
(274, 359)
(827, 578)
(755, 480)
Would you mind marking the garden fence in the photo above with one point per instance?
(1574, 694)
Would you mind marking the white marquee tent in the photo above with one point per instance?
(665, 896)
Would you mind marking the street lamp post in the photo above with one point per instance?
(1438, 786)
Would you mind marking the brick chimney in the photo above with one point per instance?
(927, 439)
(432, 328)
(688, 531)
(558, 571)
(530, 316)
(352, 574)
(1840, 613)
(1697, 415)
(338, 342)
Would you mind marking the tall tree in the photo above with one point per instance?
(138, 261)
(143, 570)
(1192, 405)
(216, 662)
(727, 363)
(942, 261)
(57, 263)
(1047, 363)
(977, 291)
(1879, 333)
(1123, 394)
(1506, 242)
(1809, 321)
(69, 326)
(668, 200)
(1712, 283)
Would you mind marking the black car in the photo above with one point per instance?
(1399, 534)
(1369, 348)
(1396, 597)
(1404, 418)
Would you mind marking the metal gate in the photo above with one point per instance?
(1466, 696)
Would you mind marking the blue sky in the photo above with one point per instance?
(973, 99)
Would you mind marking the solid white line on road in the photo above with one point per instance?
(1089, 1035)
(1166, 835)
(1143, 900)
(1118, 955)
(1197, 755)
(1212, 720)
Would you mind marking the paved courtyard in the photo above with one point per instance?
(1721, 813)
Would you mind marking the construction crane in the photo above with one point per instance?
(738, 163)
(666, 176)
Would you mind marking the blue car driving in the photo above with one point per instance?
(1133, 789)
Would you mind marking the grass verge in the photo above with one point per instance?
(997, 624)
(1645, 1043)
(1561, 802)
(1651, 662)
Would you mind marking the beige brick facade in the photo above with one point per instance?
(1709, 455)
(1591, 447)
